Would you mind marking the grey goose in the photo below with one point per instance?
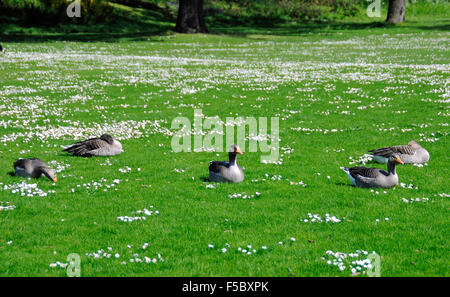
(34, 168)
(222, 171)
(104, 145)
(374, 177)
(411, 153)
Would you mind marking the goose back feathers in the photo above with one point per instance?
(411, 153)
(104, 145)
(374, 177)
(33, 168)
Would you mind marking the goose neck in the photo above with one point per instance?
(391, 168)
(232, 157)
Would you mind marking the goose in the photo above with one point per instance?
(222, 171)
(411, 153)
(104, 145)
(33, 168)
(374, 177)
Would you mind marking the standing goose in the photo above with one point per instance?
(411, 153)
(222, 171)
(374, 177)
(33, 168)
(104, 145)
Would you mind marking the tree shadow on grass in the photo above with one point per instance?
(443, 27)
(242, 29)
(87, 36)
(130, 24)
(293, 29)
(148, 25)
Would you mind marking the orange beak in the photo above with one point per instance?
(399, 161)
(55, 179)
(238, 150)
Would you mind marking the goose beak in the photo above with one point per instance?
(238, 150)
(399, 161)
(55, 179)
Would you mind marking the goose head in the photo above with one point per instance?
(108, 138)
(50, 173)
(394, 159)
(233, 151)
(414, 144)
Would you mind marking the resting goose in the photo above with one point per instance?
(33, 168)
(222, 171)
(374, 177)
(104, 145)
(411, 153)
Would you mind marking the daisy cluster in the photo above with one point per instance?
(300, 183)
(313, 218)
(79, 130)
(355, 262)
(59, 166)
(58, 264)
(420, 164)
(364, 159)
(109, 253)
(248, 249)
(319, 130)
(412, 200)
(106, 163)
(431, 138)
(273, 177)
(243, 195)
(385, 219)
(101, 184)
(24, 189)
(6, 206)
(126, 169)
(377, 192)
(143, 215)
(286, 150)
(278, 162)
(408, 186)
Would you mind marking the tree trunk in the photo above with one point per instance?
(396, 11)
(190, 17)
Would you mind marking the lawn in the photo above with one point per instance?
(337, 94)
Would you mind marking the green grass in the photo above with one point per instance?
(391, 80)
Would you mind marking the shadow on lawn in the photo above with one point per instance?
(139, 22)
(292, 29)
(148, 29)
(85, 37)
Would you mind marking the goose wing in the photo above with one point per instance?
(364, 172)
(84, 148)
(217, 166)
(34, 162)
(398, 149)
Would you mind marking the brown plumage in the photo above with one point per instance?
(104, 145)
(411, 153)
